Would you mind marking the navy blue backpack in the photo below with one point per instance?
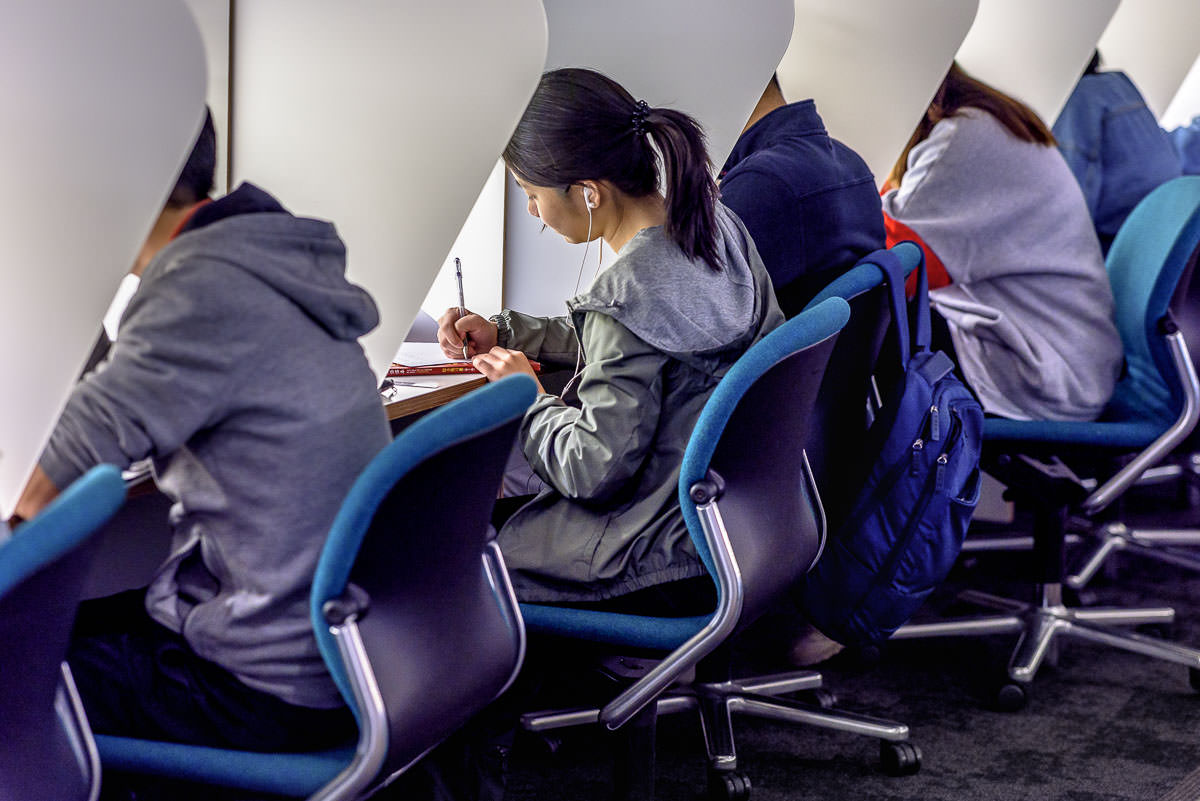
(907, 523)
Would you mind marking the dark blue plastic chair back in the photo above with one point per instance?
(411, 534)
(41, 577)
(1147, 263)
(751, 433)
(838, 442)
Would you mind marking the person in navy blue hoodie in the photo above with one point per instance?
(809, 201)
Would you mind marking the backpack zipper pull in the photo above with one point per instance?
(940, 476)
(934, 431)
(917, 447)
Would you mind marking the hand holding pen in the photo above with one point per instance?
(460, 330)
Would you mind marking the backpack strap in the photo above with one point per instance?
(924, 333)
(893, 278)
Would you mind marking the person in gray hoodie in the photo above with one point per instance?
(1015, 268)
(237, 370)
(649, 341)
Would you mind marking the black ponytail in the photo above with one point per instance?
(581, 125)
(691, 192)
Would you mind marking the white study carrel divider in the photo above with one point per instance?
(1155, 42)
(709, 58)
(1186, 103)
(385, 117)
(1035, 50)
(872, 67)
(103, 105)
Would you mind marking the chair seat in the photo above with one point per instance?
(1129, 434)
(612, 628)
(295, 775)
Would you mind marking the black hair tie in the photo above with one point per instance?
(639, 117)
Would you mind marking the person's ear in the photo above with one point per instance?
(591, 195)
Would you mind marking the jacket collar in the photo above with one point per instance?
(794, 119)
(246, 199)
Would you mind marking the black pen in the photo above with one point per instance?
(462, 305)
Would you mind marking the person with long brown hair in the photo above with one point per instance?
(1016, 269)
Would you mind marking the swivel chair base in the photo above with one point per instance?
(1041, 623)
(717, 702)
(1162, 545)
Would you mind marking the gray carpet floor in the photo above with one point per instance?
(1101, 725)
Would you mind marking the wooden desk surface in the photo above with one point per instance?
(402, 400)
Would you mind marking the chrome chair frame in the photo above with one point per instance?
(371, 750)
(1041, 622)
(714, 693)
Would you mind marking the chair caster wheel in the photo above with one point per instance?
(820, 698)
(1011, 697)
(899, 759)
(1194, 678)
(549, 744)
(728, 785)
(868, 655)
(1189, 494)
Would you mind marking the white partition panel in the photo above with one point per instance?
(710, 58)
(480, 247)
(872, 67)
(1035, 50)
(386, 117)
(1155, 42)
(99, 108)
(1186, 103)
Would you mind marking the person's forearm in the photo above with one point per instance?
(550, 340)
(38, 492)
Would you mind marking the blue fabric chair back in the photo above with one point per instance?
(1147, 263)
(751, 433)
(41, 575)
(837, 445)
(411, 534)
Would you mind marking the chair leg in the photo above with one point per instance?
(1111, 541)
(724, 779)
(1159, 544)
(634, 758)
(790, 711)
(1135, 643)
(1033, 646)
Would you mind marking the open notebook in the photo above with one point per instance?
(426, 358)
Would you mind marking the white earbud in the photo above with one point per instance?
(588, 198)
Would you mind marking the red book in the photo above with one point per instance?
(431, 369)
(449, 368)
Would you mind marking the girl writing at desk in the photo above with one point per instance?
(648, 342)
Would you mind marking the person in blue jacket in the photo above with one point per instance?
(809, 201)
(1186, 139)
(1113, 144)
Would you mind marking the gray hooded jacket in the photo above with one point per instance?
(657, 331)
(1030, 307)
(237, 368)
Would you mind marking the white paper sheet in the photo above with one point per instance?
(421, 354)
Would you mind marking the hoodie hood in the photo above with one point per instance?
(302, 259)
(678, 305)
